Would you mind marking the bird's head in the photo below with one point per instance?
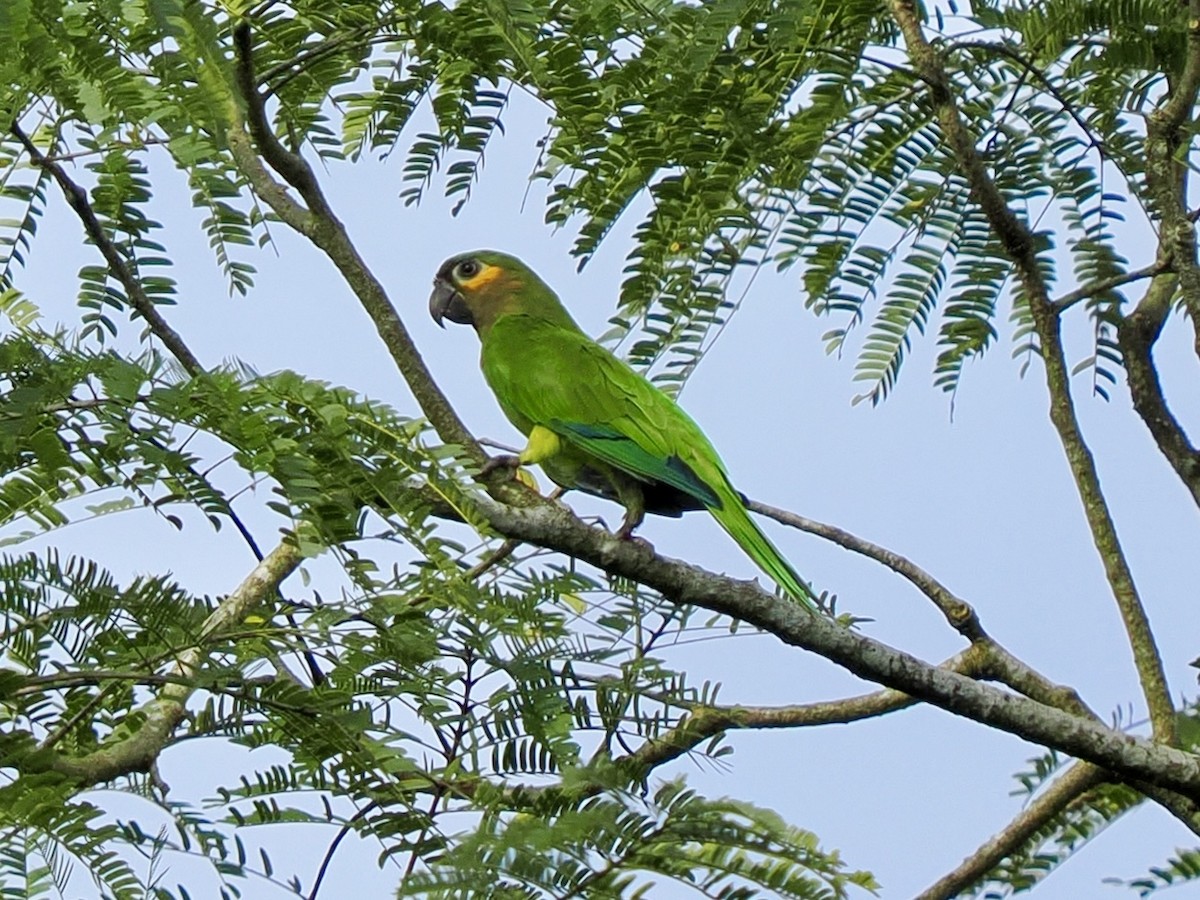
(479, 287)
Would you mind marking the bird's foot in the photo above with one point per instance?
(625, 533)
(503, 461)
(639, 541)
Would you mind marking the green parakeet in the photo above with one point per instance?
(591, 421)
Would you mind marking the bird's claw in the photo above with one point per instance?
(503, 461)
(625, 533)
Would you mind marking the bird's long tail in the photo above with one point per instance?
(734, 518)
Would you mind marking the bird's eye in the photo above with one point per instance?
(468, 268)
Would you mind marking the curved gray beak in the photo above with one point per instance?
(447, 303)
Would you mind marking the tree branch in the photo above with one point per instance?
(319, 224)
(1137, 333)
(705, 722)
(77, 199)
(1130, 757)
(1053, 801)
(162, 715)
(1087, 291)
(958, 612)
(1020, 244)
(118, 265)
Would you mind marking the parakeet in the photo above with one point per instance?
(591, 421)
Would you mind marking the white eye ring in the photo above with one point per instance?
(468, 268)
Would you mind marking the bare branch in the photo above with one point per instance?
(705, 722)
(958, 612)
(1087, 291)
(1006, 668)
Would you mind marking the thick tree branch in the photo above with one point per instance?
(1169, 133)
(1128, 756)
(1001, 665)
(1069, 788)
(1020, 244)
(1177, 111)
(1146, 655)
(985, 658)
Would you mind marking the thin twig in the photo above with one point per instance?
(960, 614)
(118, 265)
(338, 838)
(705, 722)
(1087, 291)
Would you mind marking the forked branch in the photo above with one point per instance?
(1020, 244)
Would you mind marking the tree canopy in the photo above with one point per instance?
(484, 692)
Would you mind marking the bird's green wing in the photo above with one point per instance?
(617, 449)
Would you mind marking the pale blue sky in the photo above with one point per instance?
(984, 502)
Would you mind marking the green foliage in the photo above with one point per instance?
(1061, 836)
(482, 716)
(513, 679)
(611, 845)
(1182, 868)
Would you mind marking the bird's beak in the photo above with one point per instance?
(447, 303)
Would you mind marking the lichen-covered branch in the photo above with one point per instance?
(1128, 756)
(1169, 130)
(161, 716)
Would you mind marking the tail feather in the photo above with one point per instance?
(734, 518)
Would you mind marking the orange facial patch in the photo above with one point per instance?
(483, 279)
